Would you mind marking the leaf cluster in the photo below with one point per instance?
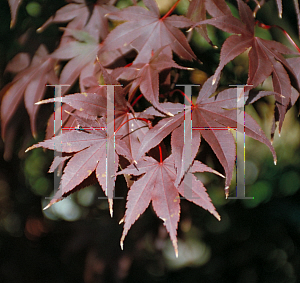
(139, 57)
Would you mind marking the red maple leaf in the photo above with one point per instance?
(146, 76)
(145, 31)
(157, 186)
(30, 85)
(295, 65)
(265, 56)
(90, 105)
(89, 155)
(209, 115)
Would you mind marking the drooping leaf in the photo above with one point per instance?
(212, 116)
(279, 4)
(157, 186)
(89, 154)
(296, 5)
(18, 63)
(295, 65)
(29, 85)
(263, 54)
(197, 13)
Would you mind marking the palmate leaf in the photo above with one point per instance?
(157, 186)
(83, 151)
(264, 55)
(88, 148)
(28, 85)
(146, 76)
(145, 31)
(209, 114)
(89, 155)
(92, 104)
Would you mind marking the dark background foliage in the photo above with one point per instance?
(256, 241)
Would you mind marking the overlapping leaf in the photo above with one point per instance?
(82, 53)
(145, 31)
(157, 186)
(90, 155)
(85, 150)
(209, 115)
(197, 12)
(146, 76)
(89, 106)
(295, 65)
(81, 15)
(265, 56)
(29, 85)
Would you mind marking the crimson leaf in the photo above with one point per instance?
(89, 155)
(145, 31)
(209, 114)
(146, 76)
(265, 56)
(157, 186)
(30, 85)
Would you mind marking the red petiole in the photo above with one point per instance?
(160, 155)
(267, 27)
(170, 11)
(136, 100)
(184, 95)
